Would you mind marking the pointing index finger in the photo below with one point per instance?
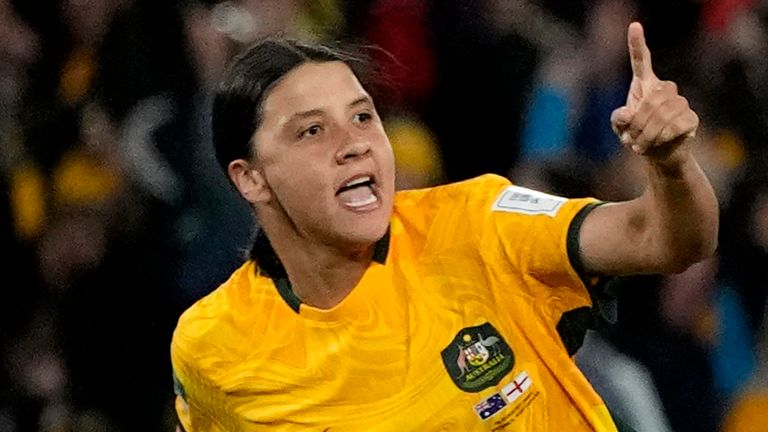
(639, 54)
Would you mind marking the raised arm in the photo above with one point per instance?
(674, 223)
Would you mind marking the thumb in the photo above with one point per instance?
(620, 119)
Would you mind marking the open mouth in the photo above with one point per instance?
(359, 192)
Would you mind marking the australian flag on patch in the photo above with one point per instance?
(488, 407)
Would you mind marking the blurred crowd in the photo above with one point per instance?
(114, 216)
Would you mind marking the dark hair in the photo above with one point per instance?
(237, 104)
(237, 107)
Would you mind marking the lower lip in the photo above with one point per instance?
(368, 207)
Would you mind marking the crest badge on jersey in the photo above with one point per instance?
(478, 358)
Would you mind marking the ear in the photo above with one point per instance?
(249, 181)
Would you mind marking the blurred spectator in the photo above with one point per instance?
(102, 323)
(214, 226)
(625, 385)
(606, 80)
(744, 242)
(417, 157)
(485, 71)
(244, 21)
(582, 80)
(749, 411)
(19, 47)
(405, 56)
(95, 338)
(734, 71)
(675, 357)
(672, 28)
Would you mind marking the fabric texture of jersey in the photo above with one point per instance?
(455, 330)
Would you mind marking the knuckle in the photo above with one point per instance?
(667, 117)
(619, 116)
(662, 114)
(666, 89)
(670, 86)
(644, 139)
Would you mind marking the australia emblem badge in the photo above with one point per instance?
(478, 358)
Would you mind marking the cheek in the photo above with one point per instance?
(388, 164)
(300, 184)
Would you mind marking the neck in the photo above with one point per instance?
(320, 275)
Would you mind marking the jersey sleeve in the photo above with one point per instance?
(199, 404)
(540, 234)
(533, 236)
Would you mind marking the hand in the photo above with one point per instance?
(656, 120)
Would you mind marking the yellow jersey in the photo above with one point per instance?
(465, 321)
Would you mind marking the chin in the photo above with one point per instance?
(361, 234)
(367, 235)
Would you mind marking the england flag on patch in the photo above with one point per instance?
(517, 387)
(488, 407)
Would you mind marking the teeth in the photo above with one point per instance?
(358, 181)
(371, 199)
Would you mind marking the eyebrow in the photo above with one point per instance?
(362, 100)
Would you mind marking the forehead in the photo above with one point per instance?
(312, 86)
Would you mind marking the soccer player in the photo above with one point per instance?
(455, 308)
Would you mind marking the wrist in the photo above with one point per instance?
(672, 164)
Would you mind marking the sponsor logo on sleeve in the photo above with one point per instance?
(516, 199)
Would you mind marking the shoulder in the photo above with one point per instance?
(218, 303)
(209, 324)
(482, 188)
(448, 215)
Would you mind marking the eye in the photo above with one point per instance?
(311, 131)
(363, 117)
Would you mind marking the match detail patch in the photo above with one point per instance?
(516, 199)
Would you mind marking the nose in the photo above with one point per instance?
(353, 147)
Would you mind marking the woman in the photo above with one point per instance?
(451, 308)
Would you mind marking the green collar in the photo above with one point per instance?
(283, 285)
